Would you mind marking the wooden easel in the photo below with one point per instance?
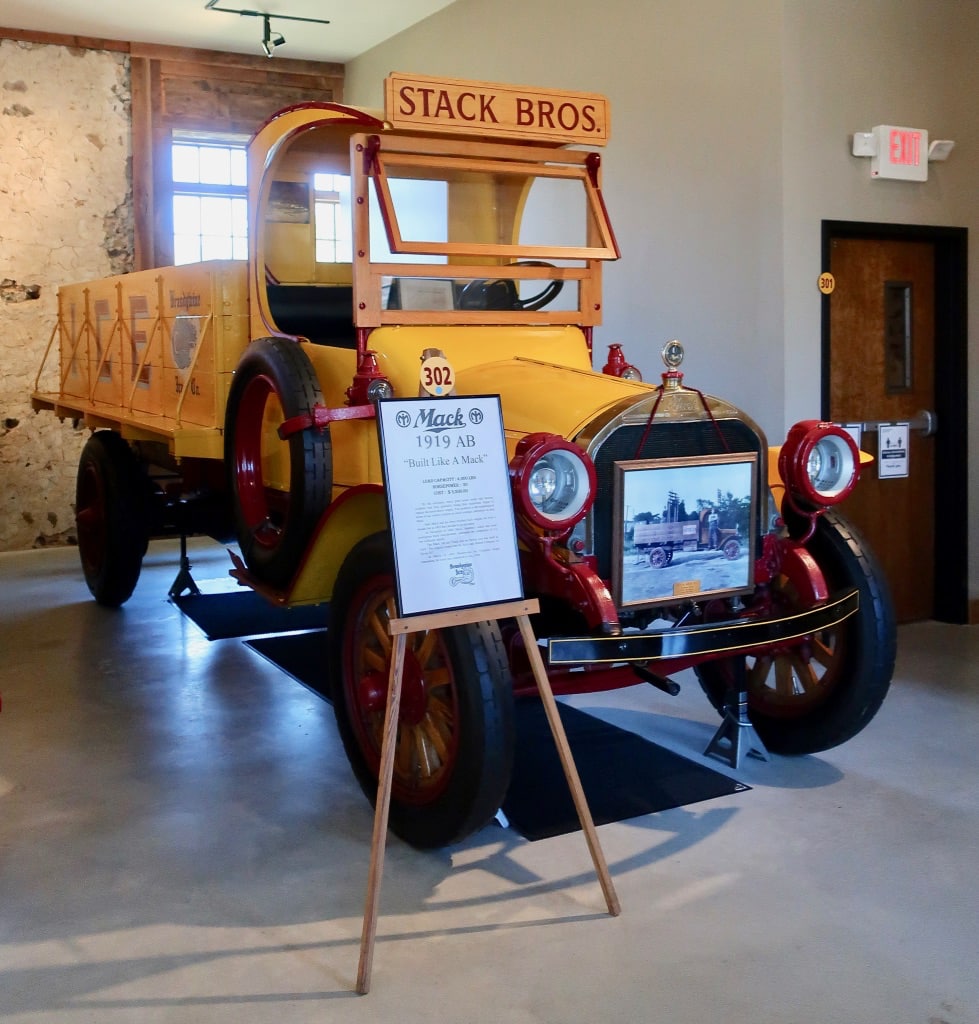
(399, 629)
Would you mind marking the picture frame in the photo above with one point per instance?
(667, 546)
(288, 202)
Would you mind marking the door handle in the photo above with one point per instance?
(925, 421)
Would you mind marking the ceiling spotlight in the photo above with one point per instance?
(270, 39)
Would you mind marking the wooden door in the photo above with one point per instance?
(882, 368)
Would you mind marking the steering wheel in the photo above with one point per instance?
(501, 292)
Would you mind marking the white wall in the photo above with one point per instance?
(847, 67)
(850, 66)
(730, 144)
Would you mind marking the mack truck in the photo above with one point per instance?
(238, 399)
(658, 541)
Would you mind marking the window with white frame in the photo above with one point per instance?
(210, 202)
(331, 210)
(210, 199)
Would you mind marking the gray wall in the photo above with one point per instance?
(730, 144)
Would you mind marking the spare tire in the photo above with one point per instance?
(279, 487)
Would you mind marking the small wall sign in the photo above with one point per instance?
(892, 453)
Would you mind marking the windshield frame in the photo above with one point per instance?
(372, 156)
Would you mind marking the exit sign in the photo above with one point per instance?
(901, 153)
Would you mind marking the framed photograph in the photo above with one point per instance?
(683, 528)
(289, 202)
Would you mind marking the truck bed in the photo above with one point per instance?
(150, 354)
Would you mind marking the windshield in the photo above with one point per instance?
(507, 229)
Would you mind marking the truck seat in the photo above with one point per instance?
(322, 313)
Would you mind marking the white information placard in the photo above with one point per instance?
(448, 490)
(892, 454)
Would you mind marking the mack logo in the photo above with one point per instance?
(184, 301)
(429, 419)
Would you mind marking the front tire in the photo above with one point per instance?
(814, 696)
(455, 731)
(111, 517)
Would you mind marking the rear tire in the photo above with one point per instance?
(731, 549)
(111, 517)
(820, 694)
(659, 558)
(455, 731)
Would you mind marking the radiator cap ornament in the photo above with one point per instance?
(672, 354)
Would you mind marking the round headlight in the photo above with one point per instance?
(819, 462)
(553, 481)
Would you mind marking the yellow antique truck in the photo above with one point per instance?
(238, 399)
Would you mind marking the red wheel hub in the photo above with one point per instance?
(373, 689)
(413, 699)
(372, 692)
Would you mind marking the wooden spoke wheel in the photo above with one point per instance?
(816, 694)
(455, 729)
(660, 557)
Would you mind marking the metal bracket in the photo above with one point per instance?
(737, 738)
(184, 583)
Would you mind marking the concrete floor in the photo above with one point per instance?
(181, 839)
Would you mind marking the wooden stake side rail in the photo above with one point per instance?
(399, 629)
(184, 442)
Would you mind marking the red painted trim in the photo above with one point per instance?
(321, 417)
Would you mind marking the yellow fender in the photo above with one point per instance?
(356, 514)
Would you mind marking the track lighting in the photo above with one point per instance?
(270, 39)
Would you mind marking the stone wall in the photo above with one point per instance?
(66, 196)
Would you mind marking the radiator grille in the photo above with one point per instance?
(664, 441)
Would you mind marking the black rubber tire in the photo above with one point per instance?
(111, 517)
(659, 558)
(274, 382)
(841, 679)
(456, 731)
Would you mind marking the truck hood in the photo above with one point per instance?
(540, 396)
